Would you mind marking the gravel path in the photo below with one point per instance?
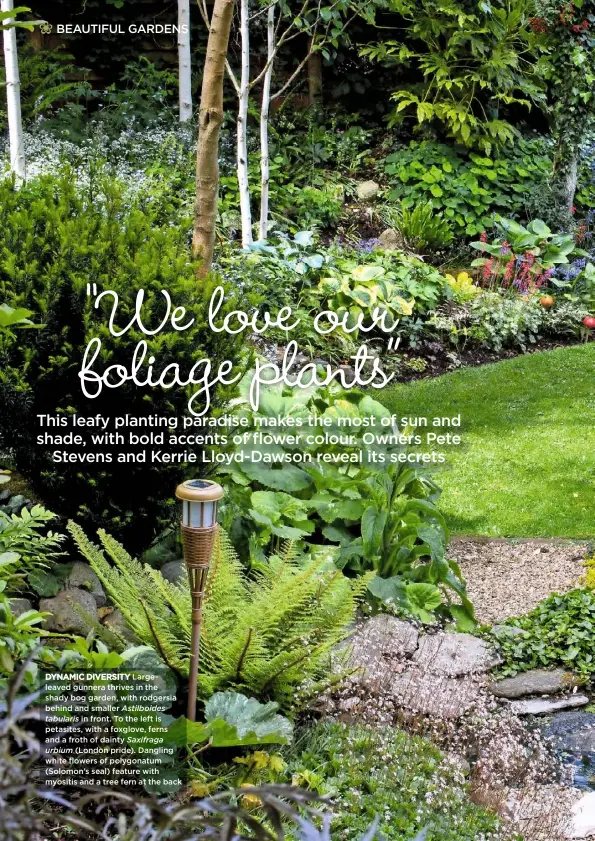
(510, 577)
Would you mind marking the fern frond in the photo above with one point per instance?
(268, 636)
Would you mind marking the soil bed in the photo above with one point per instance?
(441, 360)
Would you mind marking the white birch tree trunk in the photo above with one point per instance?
(184, 61)
(264, 125)
(13, 95)
(242, 127)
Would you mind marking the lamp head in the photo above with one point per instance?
(199, 502)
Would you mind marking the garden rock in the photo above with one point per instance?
(572, 732)
(73, 611)
(173, 571)
(543, 706)
(422, 693)
(541, 812)
(455, 654)
(572, 735)
(534, 682)
(367, 190)
(384, 650)
(20, 606)
(583, 817)
(82, 577)
(391, 240)
(116, 623)
(380, 641)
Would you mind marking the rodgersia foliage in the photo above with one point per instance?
(268, 636)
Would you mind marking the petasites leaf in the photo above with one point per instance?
(233, 720)
(249, 717)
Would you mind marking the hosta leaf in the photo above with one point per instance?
(289, 478)
(304, 238)
(364, 297)
(364, 274)
(373, 524)
(403, 306)
(537, 226)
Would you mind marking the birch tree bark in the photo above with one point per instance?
(242, 127)
(315, 78)
(209, 123)
(184, 61)
(264, 126)
(13, 94)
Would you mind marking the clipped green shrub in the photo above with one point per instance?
(468, 188)
(58, 237)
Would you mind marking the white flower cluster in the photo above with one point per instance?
(133, 157)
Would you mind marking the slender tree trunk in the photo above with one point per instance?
(13, 95)
(184, 61)
(264, 126)
(209, 123)
(315, 78)
(242, 127)
(570, 182)
(566, 163)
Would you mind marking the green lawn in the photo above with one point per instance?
(527, 464)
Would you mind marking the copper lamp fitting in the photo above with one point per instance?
(199, 531)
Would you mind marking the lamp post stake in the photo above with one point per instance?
(199, 531)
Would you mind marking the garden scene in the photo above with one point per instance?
(390, 208)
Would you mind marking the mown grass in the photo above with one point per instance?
(526, 467)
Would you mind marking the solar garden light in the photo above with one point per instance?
(199, 530)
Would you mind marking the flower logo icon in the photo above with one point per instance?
(45, 27)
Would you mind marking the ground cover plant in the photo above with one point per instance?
(471, 189)
(525, 468)
(558, 632)
(418, 788)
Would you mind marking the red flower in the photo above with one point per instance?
(487, 268)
